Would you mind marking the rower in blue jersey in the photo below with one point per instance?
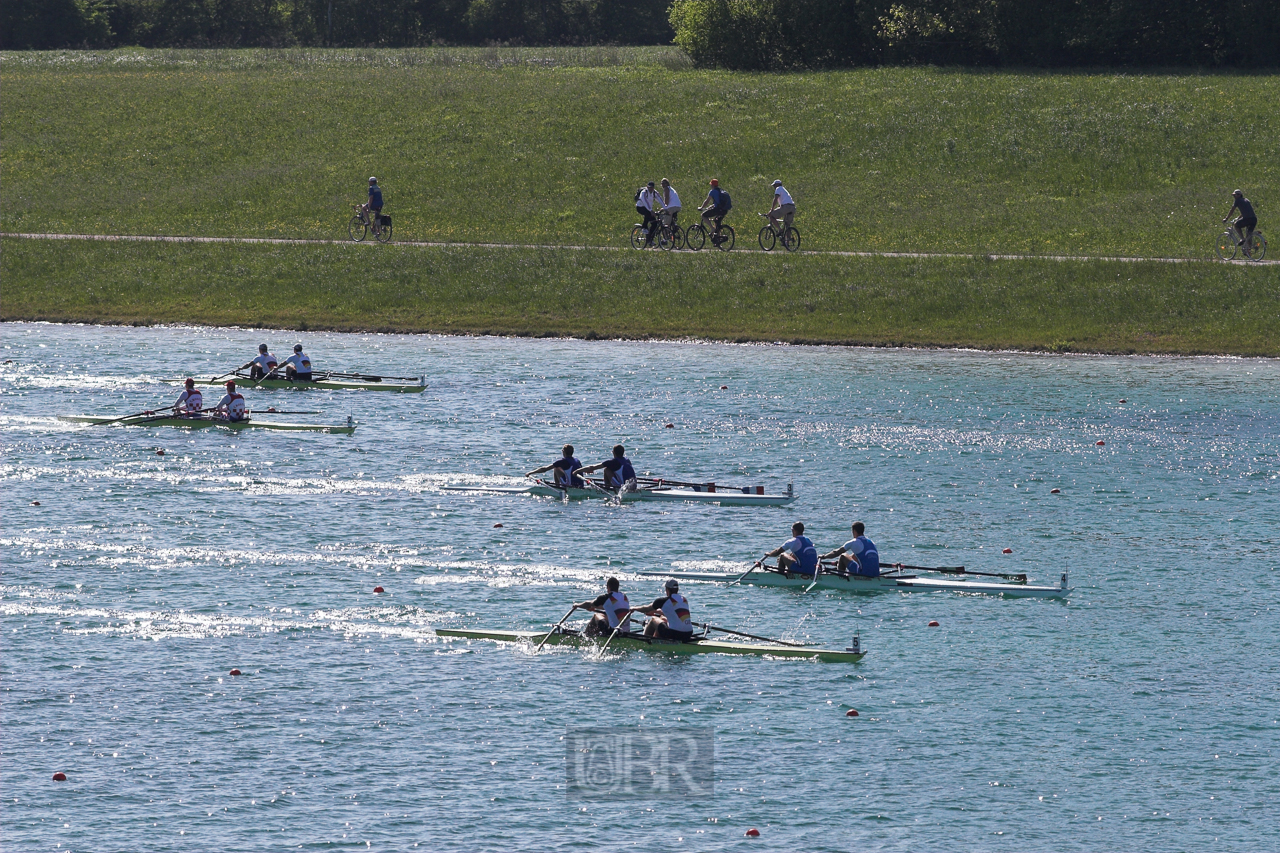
(564, 470)
(858, 556)
(797, 555)
(618, 473)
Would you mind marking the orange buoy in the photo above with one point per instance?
(753, 833)
(1099, 442)
(852, 712)
(59, 776)
(724, 387)
(1007, 551)
(933, 623)
(1055, 491)
(496, 526)
(378, 589)
(35, 503)
(234, 672)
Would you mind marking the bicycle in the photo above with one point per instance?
(358, 227)
(1229, 243)
(667, 237)
(789, 236)
(696, 237)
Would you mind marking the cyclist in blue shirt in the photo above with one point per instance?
(714, 208)
(1246, 223)
(374, 205)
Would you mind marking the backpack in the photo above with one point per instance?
(725, 202)
(638, 195)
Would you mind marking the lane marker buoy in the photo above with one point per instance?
(933, 623)
(1007, 551)
(753, 833)
(852, 712)
(724, 387)
(234, 672)
(1100, 442)
(1123, 400)
(378, 589)
(59, 777)
(669, 426)
(496, 526)
(159, 453)
(1055, 491)
(35, 503)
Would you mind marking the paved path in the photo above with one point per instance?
(283, 241)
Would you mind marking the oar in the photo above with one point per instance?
(757, 564)
(372, 378)
(136, 415)
(234, 372)
(961, 570)
(751, 636)
(622, 620)
(817, 573)
(553, 630)
(286, 412)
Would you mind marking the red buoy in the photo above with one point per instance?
(753, 833)
(378, 589)
(159, 453)
(668, 426)
(1055, 491)
(852, 712)
(933, 623)
(59, 776)
(726, 388)
(496, 526)
(1007, 551)
(234, 672)
(1122, 400)
(271, 408)
(1100, 442)
(35, 503)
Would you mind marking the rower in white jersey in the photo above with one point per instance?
(612, 609)
(231, 406)
(297, 367)
(190, 401)
(669, 615)
(264, 365)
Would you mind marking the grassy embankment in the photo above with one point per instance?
(547, 147)
(1095, 306)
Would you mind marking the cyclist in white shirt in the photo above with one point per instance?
(644, 206)
(784, 207)
(670, 201)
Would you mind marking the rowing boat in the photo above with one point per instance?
(884, 583)
(322, 381)
(199, 423)
(744, 496)
(698, 645)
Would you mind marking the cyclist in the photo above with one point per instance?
(646, 198)
(670, 201)
(374, 205)
(715, 207)
(783, 206)
(1246, 223)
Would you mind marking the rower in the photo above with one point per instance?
(669, 615)
(797, 555)
(612, 609)
(564, 470)
(297, 367)
(264, 365)
(618, 473)
(190, 401)
(231, 406)
(859, 552)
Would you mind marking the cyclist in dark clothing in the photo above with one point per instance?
(713, 208)
(374, 205)
(1246, 223)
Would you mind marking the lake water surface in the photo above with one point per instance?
(1141, 714)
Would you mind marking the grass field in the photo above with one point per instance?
(549, 145)
(1095, 306)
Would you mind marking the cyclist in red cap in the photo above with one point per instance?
(190, 401)
(232, 405)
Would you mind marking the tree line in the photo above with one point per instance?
(736, 34)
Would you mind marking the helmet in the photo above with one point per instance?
(262, 347)
(1237, 193)
(714, 182)
(372, 180)
(665, 182)
(777, 183)
(189, 381)
(672, 585)
(297, 347)
(651, 185)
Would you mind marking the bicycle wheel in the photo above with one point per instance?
(677, 236)
(384, 233)
(767, 238)
(726, 237)
(791, 239)
(1226, 245)
(638, 237)
(666, 241)
(1257, 246)
(695, 238)
(357, 228)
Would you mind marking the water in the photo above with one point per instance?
(1141, 714)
